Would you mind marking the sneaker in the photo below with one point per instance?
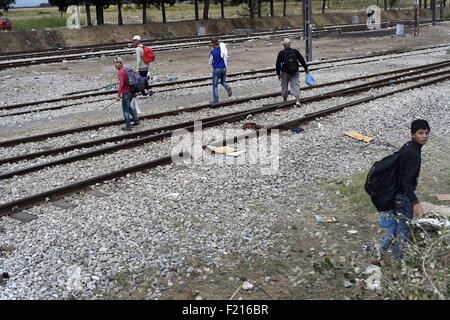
(214, 102)
(376, 262)
(284, 99)
(136, 123)
(229, 91)
(298, 104)
(126, 129)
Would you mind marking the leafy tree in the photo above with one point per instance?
(5, 5)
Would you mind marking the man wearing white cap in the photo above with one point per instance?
(141, 66)
(287, 70)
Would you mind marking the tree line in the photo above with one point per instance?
(251, 7)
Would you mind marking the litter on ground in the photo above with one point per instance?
(358, 136)
(325, 219)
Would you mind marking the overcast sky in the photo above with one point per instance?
(28, 3)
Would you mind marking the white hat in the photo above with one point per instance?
(286, 41)
(137, 38)
(118, 59)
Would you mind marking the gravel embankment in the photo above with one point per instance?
(161, 219)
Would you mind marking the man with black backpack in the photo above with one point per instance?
(127, 95)
(287, 70)
(405, 203)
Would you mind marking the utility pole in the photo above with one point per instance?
(307, 22)
(416, 19)
(433, 8)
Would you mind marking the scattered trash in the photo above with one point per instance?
(173, 195)
(249, 284)
(325, 219)
(223, 149)
(443, 197)
(5, 275)
(393, 85)
(433, 224)
(296, 129)
(251, 125)
(358, 136)
(172, 79)
(354, 283)
(352, 231)
(109, 87)
(247, 238)
(366, 246)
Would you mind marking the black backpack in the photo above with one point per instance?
(382, 181)
(290, 61)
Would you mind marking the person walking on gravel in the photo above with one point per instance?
(127, 95)
(405, 202)
(141, 66)
(287, 70)
(216, 59)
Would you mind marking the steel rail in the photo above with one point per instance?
(212, 121)
(57, 193)
(120, 45)
(87, 55)
(13, 142)
(161, 41)
(21, 105)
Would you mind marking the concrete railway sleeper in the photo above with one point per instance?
(213, 121)
(57, 193)
(12, 142)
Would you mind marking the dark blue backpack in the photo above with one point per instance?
(382, 181)
(135, 81)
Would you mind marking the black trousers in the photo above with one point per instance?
(144, 74)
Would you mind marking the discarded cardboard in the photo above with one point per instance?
(359, 136)
(325, 219)
(224, 149)
(443, 197)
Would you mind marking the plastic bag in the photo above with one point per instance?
(135, 106)
(309, 80)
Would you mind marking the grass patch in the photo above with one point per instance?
(352, 193)
(39, 23)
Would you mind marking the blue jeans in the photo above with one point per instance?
(126, 108)
(218, 73)
(398, 231)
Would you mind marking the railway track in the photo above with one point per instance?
(12, 142)
(20, 204)
(7, 60)
(267, 72)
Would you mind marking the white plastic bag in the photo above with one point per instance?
(135, 106)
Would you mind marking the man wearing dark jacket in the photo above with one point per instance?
(287, 70)
(405, 204)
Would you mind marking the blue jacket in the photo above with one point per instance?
(217, 59)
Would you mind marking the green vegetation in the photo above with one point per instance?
(352, 193)
(39, 23)
(132, 14)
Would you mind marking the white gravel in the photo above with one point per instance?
(165, 218)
